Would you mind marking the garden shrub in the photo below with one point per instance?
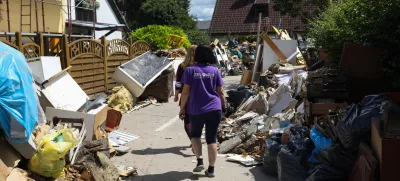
(157, 36)
(365, 22)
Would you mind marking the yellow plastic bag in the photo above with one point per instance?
(49, 160)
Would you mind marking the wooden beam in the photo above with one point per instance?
(273, 46)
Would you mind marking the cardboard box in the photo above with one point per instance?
(92, 119)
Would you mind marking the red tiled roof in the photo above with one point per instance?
(238, 16)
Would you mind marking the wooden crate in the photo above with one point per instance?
(318, 109)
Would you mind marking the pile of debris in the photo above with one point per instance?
(50, 129)
(260, 113)
(298, 124)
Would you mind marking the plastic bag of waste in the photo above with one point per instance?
(338, 157)
(297, 137)
(237, 97)
(17, 97)
(270, 156)
(49, 160)
(321, 142)
(325, 172)
(291, 165)
(355, 127)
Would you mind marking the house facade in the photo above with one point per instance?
(32, 19)
(109, 21)
(240, 17)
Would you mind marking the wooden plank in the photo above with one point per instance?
(86, 61)
(93, 84)
(111, 81)
(112, 69)
(114, 63)
(87, 67)
(273, 46)
(95, 90)
(113, 58)
(87, 73)
(89, 79)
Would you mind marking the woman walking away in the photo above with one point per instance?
(203, 92)
(189, 61)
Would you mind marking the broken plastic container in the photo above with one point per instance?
(138, 73)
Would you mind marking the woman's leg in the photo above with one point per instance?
(187, 125)
(212, 124)
(196, 128)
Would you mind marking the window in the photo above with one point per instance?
(83, 14)
(261, 8)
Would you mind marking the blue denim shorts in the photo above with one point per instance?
(211, 120)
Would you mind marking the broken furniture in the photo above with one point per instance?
(62, 92)
(44, 67)
(278, 50)
(161, 88)
(312, 109)
(386, 150)
(138, 73)
(326, 84)
(93, 119)
(365, 165)
(362, 66)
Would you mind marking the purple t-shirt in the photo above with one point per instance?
(203, 80)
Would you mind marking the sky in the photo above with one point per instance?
(203, 9)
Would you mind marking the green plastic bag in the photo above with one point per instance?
(49, 160)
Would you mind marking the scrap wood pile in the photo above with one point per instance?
(298, 125)
(47, 121)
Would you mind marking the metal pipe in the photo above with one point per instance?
(8, 19)
(44, 25)
(69, 20)
(44, 34)
(37, 17)
(94, 19)
(21, 16)
(255, 76)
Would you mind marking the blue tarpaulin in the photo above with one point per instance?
(17, 97)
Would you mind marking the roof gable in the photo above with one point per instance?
(239, 16)
(203, 25)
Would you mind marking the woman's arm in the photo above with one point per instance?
(220, 91)
(178, 84)
(184, 100)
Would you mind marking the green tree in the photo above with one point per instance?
(198, 37)
(166, 12)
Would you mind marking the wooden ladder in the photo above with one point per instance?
(26, 14)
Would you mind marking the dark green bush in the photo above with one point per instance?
(366, 22)
(157, 35)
